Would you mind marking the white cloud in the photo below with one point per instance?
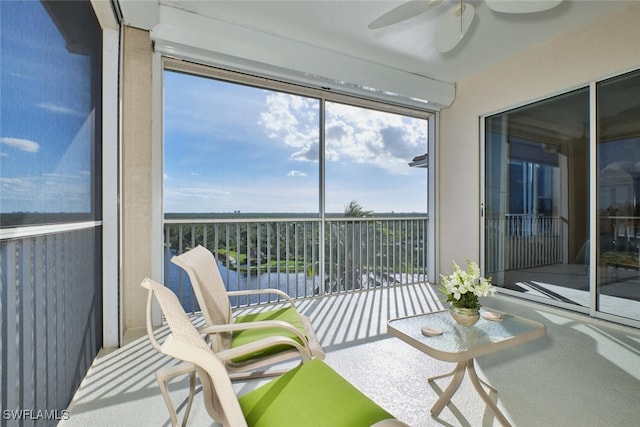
(21, 144)
(294, 121)
(353, 134)
(296, 173)
(195, 193)
(59, 175)
(60, 109)
(16, 185)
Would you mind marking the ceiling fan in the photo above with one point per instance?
(457, 21)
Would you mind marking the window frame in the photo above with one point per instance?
(23, 223)
(163, 62)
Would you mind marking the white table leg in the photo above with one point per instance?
(476, 384)
(445, 398)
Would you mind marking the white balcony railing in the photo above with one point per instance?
(303, 257)
(523, 241)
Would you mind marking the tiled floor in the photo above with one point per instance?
(582, 373)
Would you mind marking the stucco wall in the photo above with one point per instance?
(136, 164)
(604, 48)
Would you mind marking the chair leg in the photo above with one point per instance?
(164, 375)
(192, 392)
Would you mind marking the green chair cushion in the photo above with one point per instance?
(310, 395)
(287, 314)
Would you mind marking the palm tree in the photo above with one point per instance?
(341, 253)
(354, 210)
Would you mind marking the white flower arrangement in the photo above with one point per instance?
(463, 288)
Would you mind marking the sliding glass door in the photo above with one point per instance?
(538, 232)
(618, 196)
(537, 199)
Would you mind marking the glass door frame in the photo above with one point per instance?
(592, 310)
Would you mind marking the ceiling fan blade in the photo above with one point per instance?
(402, 13)
(522, 6)
(453, 27)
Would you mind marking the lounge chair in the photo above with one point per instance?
(167, 373)
(310, 395)
(227, 332)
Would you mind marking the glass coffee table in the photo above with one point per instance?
(461, 344)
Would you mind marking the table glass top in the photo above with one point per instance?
(456, 339)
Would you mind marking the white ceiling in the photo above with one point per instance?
(341, 26)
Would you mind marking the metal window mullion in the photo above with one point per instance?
(593, 206)
(322, 198)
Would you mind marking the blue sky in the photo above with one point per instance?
(230, 147)
(45, 115)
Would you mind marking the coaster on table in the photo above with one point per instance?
(489, 315)
(431, 332)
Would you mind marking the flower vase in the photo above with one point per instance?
(465, 316)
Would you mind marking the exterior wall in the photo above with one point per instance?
(136, 185)
(604, 48)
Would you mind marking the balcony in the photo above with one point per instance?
(374, 270)
(543, 382)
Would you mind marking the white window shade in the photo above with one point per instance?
(212, 42)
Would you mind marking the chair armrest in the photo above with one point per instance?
(262, 324)
(262, 344)
(262, 291)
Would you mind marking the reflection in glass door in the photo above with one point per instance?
(537, 229)
(618, 196)
(536, 216)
